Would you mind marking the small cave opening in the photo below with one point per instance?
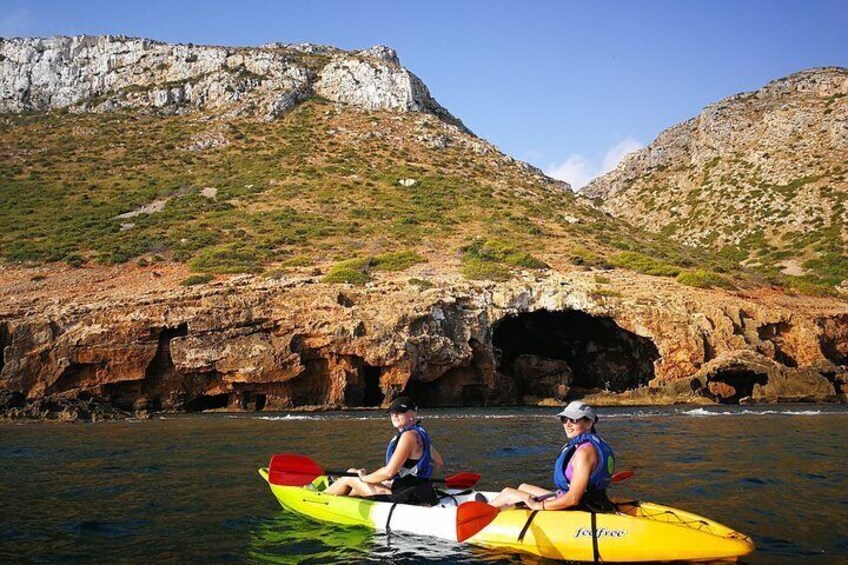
(834, 339)
(598, 354)
(373, 395)
(839, 382)
(5, 341)
(472, 384)
(75, 375)
(774, 333)
(203, 402)
(363, 384)
(732, 385)
(162, 364)
(253, 401)
(160, 370)
(459, 386)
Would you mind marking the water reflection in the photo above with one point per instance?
(289, 539)
(185, 489)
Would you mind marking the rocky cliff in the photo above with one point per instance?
(105, 73)
(760, 176)
(204, 228)
(129, 338)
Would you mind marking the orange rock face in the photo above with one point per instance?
(135, 341)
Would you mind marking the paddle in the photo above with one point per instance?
(473, 516)
(290, 469)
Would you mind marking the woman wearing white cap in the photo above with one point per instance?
(582, 471)
(410, 462)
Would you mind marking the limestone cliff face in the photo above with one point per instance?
(763, 171)
(131, 338)
(102, 73)
(251, 343)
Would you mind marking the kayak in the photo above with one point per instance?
(638, 531)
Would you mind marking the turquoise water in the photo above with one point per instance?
(185, 489)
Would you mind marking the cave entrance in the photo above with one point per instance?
(75, 376)
(834, 339)
(253, 401)
(474, 384)
(363, 383)
(160, 374)
(732, 385)
(4, 341)
(373, 395)
(203, 402)
(570, 353)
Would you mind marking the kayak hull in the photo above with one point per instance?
(640, 531)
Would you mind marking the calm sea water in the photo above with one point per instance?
(185, 489)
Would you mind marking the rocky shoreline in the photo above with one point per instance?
(128, 341)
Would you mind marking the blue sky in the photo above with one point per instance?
(568, 86)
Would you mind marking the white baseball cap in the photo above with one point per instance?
(576, 410)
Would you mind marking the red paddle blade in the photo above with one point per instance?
(462, 480)
(622, 476)
(471, 517)
(290, 469)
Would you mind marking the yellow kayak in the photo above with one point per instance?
(639, 531)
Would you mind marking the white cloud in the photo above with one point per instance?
(577, 170)
(616, 153)
(15, 24)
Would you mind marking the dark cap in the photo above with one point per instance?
(402, 404)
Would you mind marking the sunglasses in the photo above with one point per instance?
(565, 420)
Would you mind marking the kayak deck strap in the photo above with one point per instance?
(527, 525)
(389, 519)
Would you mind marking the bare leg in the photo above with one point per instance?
(352, 486)
(521, 494)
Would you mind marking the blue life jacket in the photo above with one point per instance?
(602, 473)
(424, 467)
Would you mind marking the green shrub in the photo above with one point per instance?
(75, 260)
(497, 251)
(421, 283)
(812, 287)
(197, 279)
(579, 255)
(397, 261)
(704, 279)
(346, 275)
(477, 269)
(605, 293)
(225, 259)
(352, 271)
(298, 261)
(636, 261)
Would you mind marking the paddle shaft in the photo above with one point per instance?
(616, 478)
(352, 474)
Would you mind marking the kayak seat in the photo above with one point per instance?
(449, 498)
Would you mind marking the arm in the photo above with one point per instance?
(406, 445)
(585, 461)
(438, 461)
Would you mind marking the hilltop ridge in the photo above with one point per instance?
(105, 73)
(761, 177)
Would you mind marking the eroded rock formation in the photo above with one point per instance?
(104, 73)
(256, 344)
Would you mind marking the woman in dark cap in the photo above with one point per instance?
(582, 471)
(410, 462)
